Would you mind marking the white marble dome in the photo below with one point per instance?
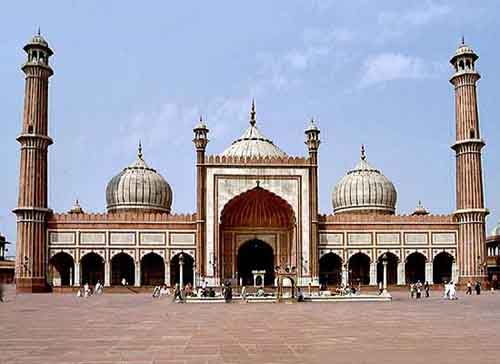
(138, 188)
(496, 230)
(364, 190)
(253, 143)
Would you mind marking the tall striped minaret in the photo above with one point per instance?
(470, 211)
(32, 211)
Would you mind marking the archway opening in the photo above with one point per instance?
(442, 267)
(256, 255)
(359, 269)
(62, 266)
(187, 269)
(392, 269)
(152, 270)
(415, 268)
(92, 266)
(255, 212)
(122, 267)
(330, 269)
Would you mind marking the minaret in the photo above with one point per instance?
(200, 141)
(313, 142)
(32, 211)
(470, 211)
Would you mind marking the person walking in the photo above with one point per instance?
(469, 288)
(427, 288)
(380, 288)
(418, 288)
(178, 293)
(478, 288)
(1, 293)
(228, 293)
(412, 290)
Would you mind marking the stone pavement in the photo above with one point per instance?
(127, 328)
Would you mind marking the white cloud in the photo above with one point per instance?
(393, 66)
(417, 16)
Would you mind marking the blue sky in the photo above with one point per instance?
(372, 72)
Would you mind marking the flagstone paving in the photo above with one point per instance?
(127, 328)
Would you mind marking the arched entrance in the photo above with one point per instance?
(152, 270)
(92, 266)
(415, 268)
(62, 267)
(122, 266)
(359, 269)
(392, 269)
(330, 269)
(255, 255)
(442, 267)
(257, 229)
(187, 270)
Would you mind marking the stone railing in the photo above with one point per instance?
(224, 160)
(391, 219)
(121, 216)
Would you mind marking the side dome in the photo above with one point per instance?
(496, 230)
(364, 190)
(138, 188)
(253, 144)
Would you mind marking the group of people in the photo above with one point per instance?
(477, 287)
(417, 288)
(86, 290)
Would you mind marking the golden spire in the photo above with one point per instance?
(139, 151)
(363, 154)
(252, 114)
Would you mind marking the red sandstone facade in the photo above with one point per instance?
(257, 208)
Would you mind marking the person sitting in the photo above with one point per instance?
(156, 292)
(260, 292)
(300, 295)
(178, 293)
(164, 291)
(98, 290)
(188, 290)
(228, 293)
(211, 292)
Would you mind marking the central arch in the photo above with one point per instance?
(255, 255)
(122, 267)
(257, 229)
(359, 269)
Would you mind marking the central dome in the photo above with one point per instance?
(364, 190)
(138, 188)
(253, 144)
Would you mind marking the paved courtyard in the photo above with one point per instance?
(117, 328)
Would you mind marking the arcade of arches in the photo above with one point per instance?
(257, 232)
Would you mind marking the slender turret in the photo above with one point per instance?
(470, 210)
(32, 210)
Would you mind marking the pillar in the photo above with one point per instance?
(373, 273)
(167, 273)
(345, 275)
(137, 281)
(454, 272)
(107, 273)
(401, 273)
(32, 206)
(429, 272)
(384, 283)
(181, 271)
(76, 281)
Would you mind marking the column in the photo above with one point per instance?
(107, 273)
(76, 281)
(167, 273)
(401, 273)
(384, 283)
(137, 281)
(194, 276)
(429, 272)
(454, 272)
(345, 275)
(181, 271)
(373, 273)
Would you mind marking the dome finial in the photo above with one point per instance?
(139, 150)
(38, 32)
(252, 114)
(363, 154)
(463, 40)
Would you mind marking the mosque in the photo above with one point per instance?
(256, 211)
